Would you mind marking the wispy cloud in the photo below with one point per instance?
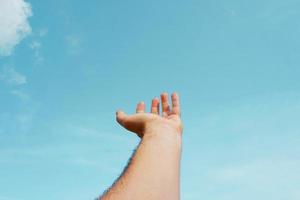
(7, 198)
(268, 169)
(36, 46)
(252, 150)
(21, 95)
(74, 44)
(10, 76)
(265, 176)
(14, 25)
(42, 32)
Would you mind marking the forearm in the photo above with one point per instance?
(154, 171)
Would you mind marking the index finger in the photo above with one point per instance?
(175, 104)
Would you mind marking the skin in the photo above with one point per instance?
(153, 172)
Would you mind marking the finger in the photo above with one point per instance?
(155, 106)
(175, 104)
(140, 108)
(165, 104)
(121, 117)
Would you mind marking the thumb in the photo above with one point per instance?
(120, 117)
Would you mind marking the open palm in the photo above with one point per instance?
(142, 122)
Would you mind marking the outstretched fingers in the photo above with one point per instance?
(165, 104)
(155, 106)
(175, 104)
(140, 108)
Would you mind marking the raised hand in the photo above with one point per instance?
(143, 123)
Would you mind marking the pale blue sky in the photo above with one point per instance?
(234, 63)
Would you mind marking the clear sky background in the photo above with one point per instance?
(67, 66)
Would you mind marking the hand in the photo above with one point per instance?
(143, 123)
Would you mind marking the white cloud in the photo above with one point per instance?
(10, 76)
(14, 25)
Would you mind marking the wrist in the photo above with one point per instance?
(166, 136)
(170, 129)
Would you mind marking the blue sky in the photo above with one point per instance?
(67, 66)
